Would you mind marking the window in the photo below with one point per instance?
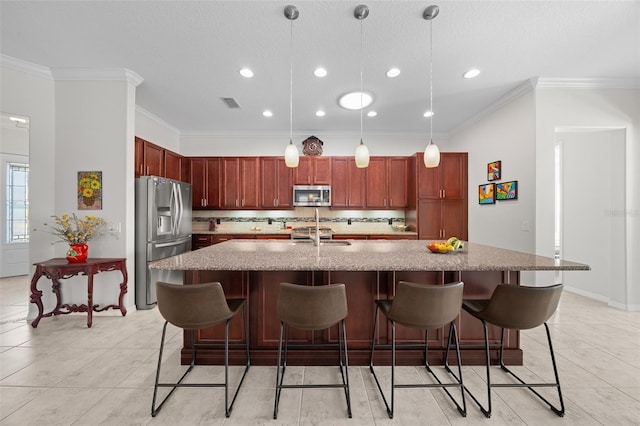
(17, 213)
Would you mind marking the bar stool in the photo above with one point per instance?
(422, 307)
(194, 307)
(519, 308)
(312, 308)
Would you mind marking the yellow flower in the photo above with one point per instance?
(93, 176)
(95, 184)
(87, 192)
(85, 182)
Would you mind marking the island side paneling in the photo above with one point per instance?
(260, 288)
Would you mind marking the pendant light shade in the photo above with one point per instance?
(431, 155)
(291, 155)
(362, 155)
(431, 152)
(362, 152)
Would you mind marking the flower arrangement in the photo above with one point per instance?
(73, 230)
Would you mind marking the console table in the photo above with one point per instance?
(59, 268)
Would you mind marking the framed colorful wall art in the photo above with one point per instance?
(486, 193)
(493, 170)
(507, 190)
(89, 190)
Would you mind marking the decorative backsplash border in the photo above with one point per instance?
(300, 219)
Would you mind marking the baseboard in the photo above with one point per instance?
(603, 299)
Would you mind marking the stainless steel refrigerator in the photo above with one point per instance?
(163, 229)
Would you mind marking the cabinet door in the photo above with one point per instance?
(139, 157)
(397, 168)
(197, 179)
(212, 182)
(303, 174)
(340, 187)
(453, 175)
(249, 182)
(428, 179)
(172, 165)
(454, 219)
(322, 172)
(284, 193)
(376, 176)
(268, 182)
(429, 219)
(230, 183)
(153, 160)
(185, 170)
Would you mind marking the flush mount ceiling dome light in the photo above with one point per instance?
(354, 100)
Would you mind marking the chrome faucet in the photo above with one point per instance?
(316, 238)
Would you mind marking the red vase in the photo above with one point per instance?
(77, 253)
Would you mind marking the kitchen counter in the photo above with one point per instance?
(288, 232)
(253, 270)
(402, 255)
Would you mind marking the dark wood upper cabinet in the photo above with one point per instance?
(172, 165)
(205, 182)
(348, 187)
(276, 184)
(313, 171)
(448, 180)
(239, 183)
(386, 182)
(149, 158)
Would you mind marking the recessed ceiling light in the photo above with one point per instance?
(267, 113)
(372, 114)
(246, 72)
(353, 100)
(320, 113)
(428, 114)
(320, 72)
(393, 72)
(473, 72)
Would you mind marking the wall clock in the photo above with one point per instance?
(312, 146)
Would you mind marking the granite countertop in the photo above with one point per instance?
(367, 255)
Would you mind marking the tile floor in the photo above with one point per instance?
(65, 374)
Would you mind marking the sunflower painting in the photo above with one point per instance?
(89, 190)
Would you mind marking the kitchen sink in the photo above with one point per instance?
(323, 242)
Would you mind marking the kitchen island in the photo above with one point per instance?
(253, 269)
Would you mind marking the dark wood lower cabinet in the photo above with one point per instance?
(260, 288)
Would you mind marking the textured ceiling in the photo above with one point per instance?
(189, 54)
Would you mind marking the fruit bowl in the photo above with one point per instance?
(452, 245)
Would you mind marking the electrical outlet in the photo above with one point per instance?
(525, 225)
(116, 227)
(348, 221)
(390, 221)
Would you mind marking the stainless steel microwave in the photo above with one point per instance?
(312, 195)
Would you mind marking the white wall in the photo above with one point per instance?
(94, 132)
(561, 108)
(29, 91)
(507, 135)
(334, 144)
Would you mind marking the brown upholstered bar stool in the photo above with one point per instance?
(423, 307)
(519, 308)
(312, 308)
(194, 307)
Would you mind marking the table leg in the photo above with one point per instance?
(89, 300)
(36, 296)
(123, 289)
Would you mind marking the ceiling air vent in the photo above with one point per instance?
(231, 103)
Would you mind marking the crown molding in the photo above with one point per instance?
(306, 133)
(158, 120)
(97, 74)
(589, 83)
(520, 90)
(23, 66)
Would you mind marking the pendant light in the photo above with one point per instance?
(362, 152)
(431, 152)
(291, 155)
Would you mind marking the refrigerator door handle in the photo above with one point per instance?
(174, 208)
(172, 243)
(180, 208)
